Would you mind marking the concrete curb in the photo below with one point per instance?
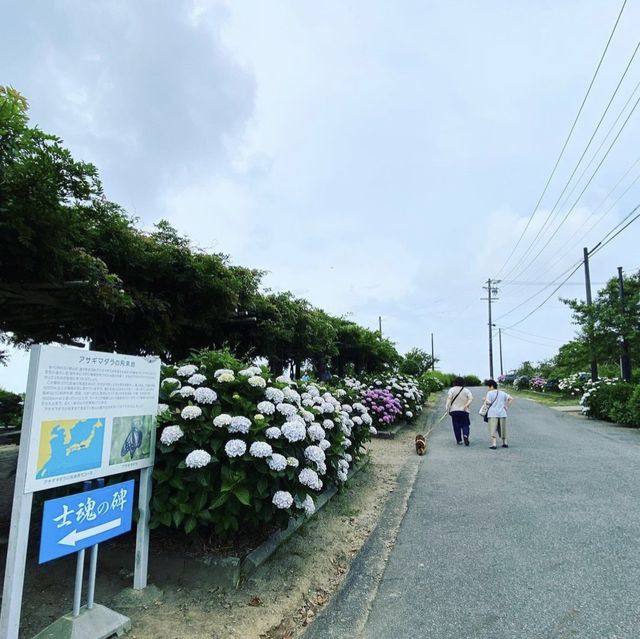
(348, 611)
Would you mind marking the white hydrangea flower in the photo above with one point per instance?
(322, 468)
(170, 381)
(313, 391)
(197, 459)
(316, 432)
(239, 424)
(235, 448)
(283, 379)
(327, 407)
(170, 435)
(282, 499)
(309, 477)
(306, 415)
(348, 457)
(340, 393)
(346, 442)
(314, 454)
(347, 408)
(328, 424)
(324, 444)
(277, 462)
(286, 409)
(357, 420)
(260, 450)
(343, 465)
(305, 395)
(307, 505)
(273, 432)
(366, 419)
(342, 476)
(191, 412)
(257, 381)
(318, 401)
(223, 371)
(186, 391)
(292, 462)
(346, 430)
(204, 395)
(162, 408)
(187, 371)
(197, 379)
(361, 408)
(226, 377)
(223, 420)
(266, 408)
(294, 431)
(409, 414)
(274, 395)
(307, 403)
(246, 372)
(291, 395)
(373, 430)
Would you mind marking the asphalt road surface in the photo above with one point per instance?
(539, 540)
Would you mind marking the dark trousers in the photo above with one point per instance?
(460, 422)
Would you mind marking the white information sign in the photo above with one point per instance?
(94, 414)
(86, 415)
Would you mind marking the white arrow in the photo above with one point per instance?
(74, 535)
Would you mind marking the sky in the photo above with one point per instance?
(378, 159)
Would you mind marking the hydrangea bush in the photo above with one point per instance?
(538, 383)
(604, 396)
(389, 398)
(238, 448)
(573, 385)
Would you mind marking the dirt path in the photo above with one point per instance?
(278, 600)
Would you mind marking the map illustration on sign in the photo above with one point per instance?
(70, 445)
(132, 438)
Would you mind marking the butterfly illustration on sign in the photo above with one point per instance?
(131, 439)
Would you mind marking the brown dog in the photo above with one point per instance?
(421, 444)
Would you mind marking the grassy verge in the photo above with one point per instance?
(548, 398)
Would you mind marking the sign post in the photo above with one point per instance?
(87, 415)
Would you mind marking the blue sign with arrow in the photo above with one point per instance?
(78, 521)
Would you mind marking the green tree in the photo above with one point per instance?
(416, 361)
(607, 322)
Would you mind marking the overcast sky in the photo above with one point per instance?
(376, 158)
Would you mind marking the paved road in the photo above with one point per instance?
(536, 541)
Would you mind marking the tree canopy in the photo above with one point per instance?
(74, 266)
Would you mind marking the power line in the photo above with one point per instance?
(601, 218)
(584, 152)
(573, 206)
(595, 250)
(566, 142)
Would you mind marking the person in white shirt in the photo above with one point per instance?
(459, 399)
(498, 402)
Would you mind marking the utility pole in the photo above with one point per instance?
(587, 281)
(491, 292)
(500, 343)
(625, 360)
(433, 359)
(380, 326)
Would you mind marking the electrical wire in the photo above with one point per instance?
(555, 208)
(566, 142)
(599, 220)
(577, 200)
(595, 250)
